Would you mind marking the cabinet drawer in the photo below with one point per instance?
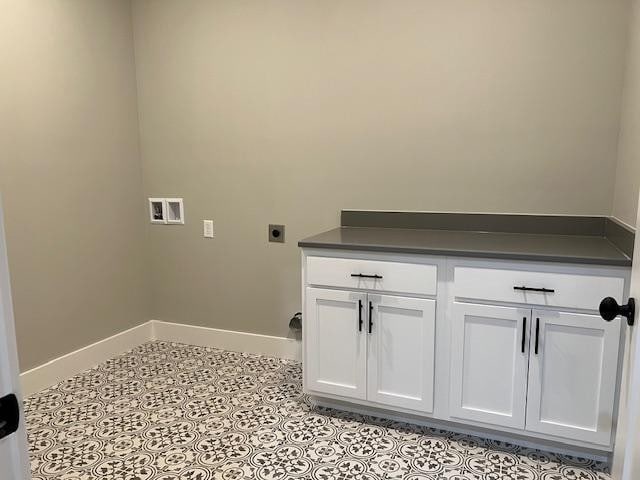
(569, 290)
(353, 273)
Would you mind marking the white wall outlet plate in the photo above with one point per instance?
(175, 211)
(207, 228)
(157, 210)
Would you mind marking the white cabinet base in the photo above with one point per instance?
(461, 356)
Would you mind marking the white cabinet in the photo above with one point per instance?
(489, 363)
(401, 352)
(572, 376)
(336, 346)
(582, 289)
(536, 370)
(379, 276)
(455, 339)
(378, 348)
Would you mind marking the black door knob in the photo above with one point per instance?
(609, 309)
(9, 415)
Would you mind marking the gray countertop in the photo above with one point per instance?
(511, 246)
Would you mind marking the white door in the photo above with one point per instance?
(489, 361)
(336, 342)
(13, 448)
(626, 456)
(572, 375)
(401, 351)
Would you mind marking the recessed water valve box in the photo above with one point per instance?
(166, 211)
(175, 210)
(157, 210)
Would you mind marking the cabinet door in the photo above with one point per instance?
(401, 352)
(489, 362)
(572, 377)
(335, 342)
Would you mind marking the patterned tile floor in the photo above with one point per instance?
(168, 411)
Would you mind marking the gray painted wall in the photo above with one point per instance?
(625, 202)
(70, 175)
(287, 111)
(283, 112)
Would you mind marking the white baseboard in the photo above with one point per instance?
(71, 364)
(228, 340)
(66, 366)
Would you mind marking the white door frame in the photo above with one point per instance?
(626, 455)
(13, 448)
(631, 453)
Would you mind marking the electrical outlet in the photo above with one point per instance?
(207, 228)
(276, 233)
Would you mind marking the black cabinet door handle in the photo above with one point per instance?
(361, 275)
(531, 289)
(370, 317)
(537, 333)
(524, 331)
(359, 315)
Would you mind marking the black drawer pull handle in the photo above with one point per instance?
(359, 315)
(370, 316)
(360, 275)
(524, 330)
(537, 333)
(531, 289)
